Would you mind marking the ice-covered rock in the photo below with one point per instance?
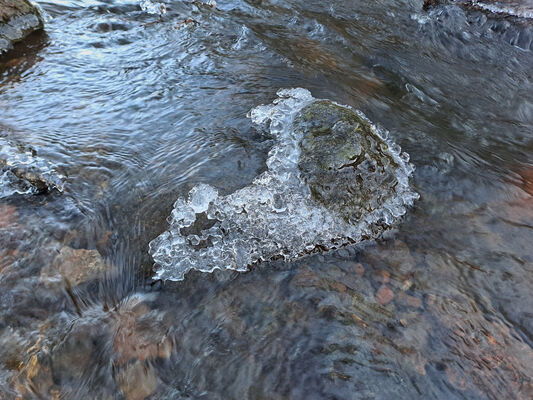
(18, 18)
(516, 8)
(333, 178)
(22, 171)
(153, 7)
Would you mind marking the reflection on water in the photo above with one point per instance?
(135, 111)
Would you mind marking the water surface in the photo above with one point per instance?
(134, 112)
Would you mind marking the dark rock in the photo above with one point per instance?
(18, 18)
(346, 164)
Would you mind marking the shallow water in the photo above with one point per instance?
(134, 112)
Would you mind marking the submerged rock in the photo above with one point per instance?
(18, 18)
(76, 266)
(333, 178)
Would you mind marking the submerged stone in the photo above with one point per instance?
(332, 178)
(18, 18)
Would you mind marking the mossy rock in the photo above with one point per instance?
(18, 18)
(349, 168)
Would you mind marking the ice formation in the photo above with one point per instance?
(153, 7)
(23, 172)
(318, 193)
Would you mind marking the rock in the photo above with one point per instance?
(18, 18)
(23, 169)
(75, 266)
(137, 381)
(139, 333)
(347, 166)
(333, 179)
(514, 8)
(384, 295)
(394, 255)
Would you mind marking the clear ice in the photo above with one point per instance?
(276, 216)
(22, 171)
(153, 7)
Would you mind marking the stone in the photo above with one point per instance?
(137, 381)
(139, 334)
(348, 168)
(23, 169)
(76, 266)
(332, 179)
(384, 295)
(18, 18)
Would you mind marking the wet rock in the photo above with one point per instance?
(502, 8)
(140, 333)
(347, 166)
(24, 171)
(333, 179)
(137, 381)
(384, 295)
(76, 266)
(382, 276)
(18, 18)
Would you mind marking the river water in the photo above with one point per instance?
(132, 111)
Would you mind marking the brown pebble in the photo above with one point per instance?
(384, 295)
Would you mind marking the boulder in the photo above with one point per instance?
(348, 167)
(18, 18)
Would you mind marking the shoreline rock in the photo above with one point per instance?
(18, 18)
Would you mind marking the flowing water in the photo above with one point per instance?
(126, 111)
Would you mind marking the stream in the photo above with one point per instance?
(127, 111)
